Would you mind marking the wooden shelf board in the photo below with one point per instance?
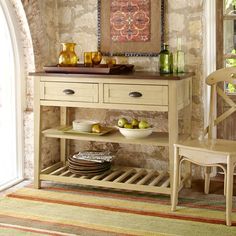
(156, 138)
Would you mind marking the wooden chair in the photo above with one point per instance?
(209, 152)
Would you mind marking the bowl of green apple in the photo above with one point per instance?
(135, 129)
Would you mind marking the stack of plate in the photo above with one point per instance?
(87, 167)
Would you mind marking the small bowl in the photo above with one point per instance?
(135, 133)
(83, 125)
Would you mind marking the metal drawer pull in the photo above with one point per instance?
(135, 94)
(68, 91)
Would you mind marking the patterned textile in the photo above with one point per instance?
(130, 20)
(73, 210)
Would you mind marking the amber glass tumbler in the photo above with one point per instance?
(110, 61)
(96, 58)
(88, 59)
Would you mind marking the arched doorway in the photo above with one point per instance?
(11, 109)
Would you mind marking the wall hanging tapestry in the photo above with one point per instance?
(130, 27)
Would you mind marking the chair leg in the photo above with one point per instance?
(229, 191)
(188, 174)
(225, 183)
(207, 180)
(175, 187)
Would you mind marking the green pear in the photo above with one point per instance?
(143, 124)
(135, 123)
(96, 128)
(121, 122)
(128, 126)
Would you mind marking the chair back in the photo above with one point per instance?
(214, 80)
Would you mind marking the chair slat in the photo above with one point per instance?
(225, 97)
(225, 115)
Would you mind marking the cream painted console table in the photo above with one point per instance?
(163, 93)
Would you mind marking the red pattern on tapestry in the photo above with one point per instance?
(130, 20)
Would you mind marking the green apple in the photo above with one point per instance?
(143, 124)
(135, 123)
(128, 126)
(121, 122)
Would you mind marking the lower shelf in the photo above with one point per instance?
(128, 178)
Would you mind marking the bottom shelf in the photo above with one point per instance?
(128, 178)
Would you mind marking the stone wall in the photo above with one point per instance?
(55, 21)
(78, 23)
(186, 20)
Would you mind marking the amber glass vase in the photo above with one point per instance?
(68, 56)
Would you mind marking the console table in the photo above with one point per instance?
(163, 93)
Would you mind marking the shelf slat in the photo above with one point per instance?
(59, 171)
(66, 173)
(158, 179)
(146, 178)
(166, 183)
(51, 168)
(123, 176)
(101, 176)
(135, 177)
(112, 175)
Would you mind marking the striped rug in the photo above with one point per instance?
(70, 210)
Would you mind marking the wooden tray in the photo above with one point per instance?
(104, 130)
(82, 69)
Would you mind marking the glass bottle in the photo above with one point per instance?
(171, 62)
(67, 56)
(178, 58)
(165, 60)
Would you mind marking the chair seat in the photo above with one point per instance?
(207, 151)
(220, 146)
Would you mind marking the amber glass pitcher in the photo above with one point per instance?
(67, 56)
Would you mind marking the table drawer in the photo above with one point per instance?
(136, 94)
(79, 92)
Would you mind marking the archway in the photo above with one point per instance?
(12, 90)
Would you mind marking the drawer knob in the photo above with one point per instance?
(68, 91)
(135, 94)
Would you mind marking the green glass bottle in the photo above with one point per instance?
(179, 58)
(165, 60)
(171, 62)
